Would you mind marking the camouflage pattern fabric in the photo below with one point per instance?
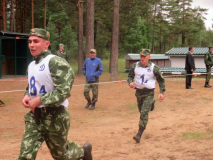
(156, 71)
(61, 73)
(144, 101)
(208, 59)
(39, 32)
(62, 54)
(53, 129)
(94, 88)
(208, 75)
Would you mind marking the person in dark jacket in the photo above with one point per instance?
(92, 69)
(189, 67)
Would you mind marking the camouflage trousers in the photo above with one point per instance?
(53, 129)
(144, 101)
(94, 88)
(208, 75)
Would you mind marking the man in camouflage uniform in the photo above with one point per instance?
(209, 63)
(61, 52)
(92, 69)
(142, 78)
(50, 80)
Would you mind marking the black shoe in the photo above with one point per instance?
(87, 151)
(139, 134)
(207, 85)
(153, 106)
(189, 88)
(88, 104)
(93, 106)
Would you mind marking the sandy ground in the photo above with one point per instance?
(180, 127)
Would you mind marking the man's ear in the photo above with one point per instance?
(47, 43)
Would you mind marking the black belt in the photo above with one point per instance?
(38, 111)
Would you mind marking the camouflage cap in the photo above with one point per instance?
(61, 45)
(39, 32)
(145, 52)
(93, 50)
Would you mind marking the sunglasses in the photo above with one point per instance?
(92, 52)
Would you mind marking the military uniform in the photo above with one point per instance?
(209, 63)
(92, 69)
(50, 121)
(62, 54)
(145, 89)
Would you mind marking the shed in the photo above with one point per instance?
(159, 59)
(178, 55)
(14, 54)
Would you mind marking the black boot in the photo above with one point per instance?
(88, 104)
(207, 85)
(138, 136)
(93, 106)
(153, 106)
(87, 151)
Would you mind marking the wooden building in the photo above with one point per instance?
(159, 59)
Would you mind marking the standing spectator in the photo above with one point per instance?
(209, 62)
(61, 52)
(189, 67)
(92, 69)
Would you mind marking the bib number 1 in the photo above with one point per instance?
(33, 89)
(142, 77)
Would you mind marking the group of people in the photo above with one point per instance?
(50, 79)
(190, 67)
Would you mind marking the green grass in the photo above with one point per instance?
(206, 99)
(178, 102)
(195, 135)
(105, 63)
(6, 100)
(210, 131)
(132, 106)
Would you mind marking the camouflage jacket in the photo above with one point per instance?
(62, 54)
(156, 71)
(62, 76)
(208, 59)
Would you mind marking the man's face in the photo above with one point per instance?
(37, 45)
(192, 50)
(144, 60)
(211, 49)
(92, 54)
(61, 48)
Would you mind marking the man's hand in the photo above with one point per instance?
(34, 103)
(25, 102)
(161, 96)
(191, 70)
(132, 85)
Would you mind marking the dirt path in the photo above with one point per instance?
(180, 127)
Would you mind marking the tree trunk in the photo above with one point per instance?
(17, 16)
(1, 15)
(4, 16)
(25, 16)
(89, 26)
(95, 33)
(115, 41)
(80, 36)
(45, 10)
(183, 31)
(22, 16)
(153, 38)
(32, 14)
(12, 17)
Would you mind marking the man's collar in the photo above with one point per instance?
(41, 56)
(148, 65)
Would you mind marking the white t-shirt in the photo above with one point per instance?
(40, 80)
